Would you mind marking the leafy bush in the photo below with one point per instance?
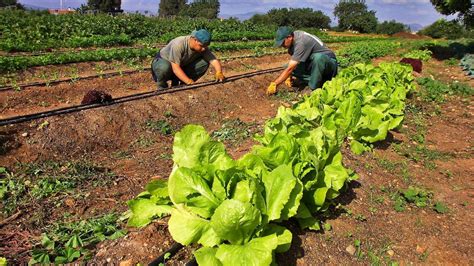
(424, 55)
(444, 29)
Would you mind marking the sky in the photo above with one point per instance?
(405, 11)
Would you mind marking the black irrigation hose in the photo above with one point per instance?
(168, 254)
(138, 96)
(105, 75)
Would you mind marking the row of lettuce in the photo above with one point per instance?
(34, 31)
(361, 51)
(235, 209)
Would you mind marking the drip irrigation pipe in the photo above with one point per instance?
(123, 99)
(106, 75)
(168, 254)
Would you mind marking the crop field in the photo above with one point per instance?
(375, 168)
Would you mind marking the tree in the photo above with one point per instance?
(354, 15)
(444, 29)
(295, 17)
(103, 5)
(449, 7)
(202, 8)
(171, 7)
(391, 27)
(5, 3)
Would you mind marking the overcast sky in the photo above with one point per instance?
(405, 11)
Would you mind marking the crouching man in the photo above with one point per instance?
(311, 63)
(184, 60)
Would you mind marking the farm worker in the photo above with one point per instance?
(184, 60)
(311, 62)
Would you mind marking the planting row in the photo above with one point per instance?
(357, 52)
(235, 208)
(35, 31)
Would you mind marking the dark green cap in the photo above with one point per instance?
(281, 34)
(202, 35)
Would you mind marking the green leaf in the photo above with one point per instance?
(74, 242)
(188, 187)
(207, 256)
(440, 207)
(278, 187)
(47, 242)
(284, 237)
(258, 251)
(144, 211)
(187, 228)
(235, 221)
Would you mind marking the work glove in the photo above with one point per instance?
(272, 88)
(289, 82)
(219, 76)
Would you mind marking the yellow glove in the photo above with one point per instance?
(219, 76)
(191, 82)
(289, 82)
(272, 88)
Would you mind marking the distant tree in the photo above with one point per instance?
(171, 7)
(450, 7)
(103, 5)
(5, 3)
(354, 15)
(295, 17)
(444, 29)
(202, 9)
(391, 27)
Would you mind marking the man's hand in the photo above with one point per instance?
(219, 76)
(272, 88)
(289, 82)
(190, 82)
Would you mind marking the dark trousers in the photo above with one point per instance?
(162, 71)
(318, 69)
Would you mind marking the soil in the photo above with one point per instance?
(408, 35)
(118, 139)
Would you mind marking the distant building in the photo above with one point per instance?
(61, 11)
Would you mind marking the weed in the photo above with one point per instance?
(66, 242)
(418, 196)
(424, 256)
(440, 207)
(33, 182)
(233, 131)
(143, 142)
(360, 218)
(288, 96)
(451, 62)
(121, 154)
(162, 126)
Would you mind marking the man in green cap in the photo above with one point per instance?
(311, 60)
(184, 60)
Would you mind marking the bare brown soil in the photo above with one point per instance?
(116, 137)
(408, 35)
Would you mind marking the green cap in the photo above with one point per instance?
(281, 34)
(202, 35)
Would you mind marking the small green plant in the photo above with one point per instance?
(66, 242)
(143, 142)
(418, 196)
(234, 131)
(162, 126)
(424, 55)
(451, 62)
(440, 207)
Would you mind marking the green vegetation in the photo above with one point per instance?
(66, 242)
(424, 55)
(231, 207)
(354, 15)
(418, 196)
(363, 52)
(437, 91)
(161, 126)
(44, 181)
(233, 131)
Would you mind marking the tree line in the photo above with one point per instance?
(352, 15)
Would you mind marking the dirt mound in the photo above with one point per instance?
(407, 35)
(96, 96)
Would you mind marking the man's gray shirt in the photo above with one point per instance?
(178, 51)
(305, 44)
